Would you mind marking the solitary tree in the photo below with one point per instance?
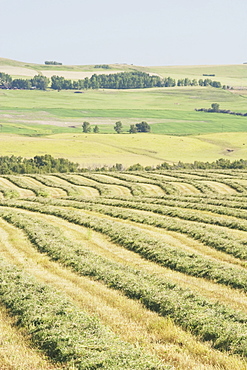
(215, 107)
(86, 127)
(118, 127)
(96, 129)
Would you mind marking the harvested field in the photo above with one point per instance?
(169, 267)
(76, 75)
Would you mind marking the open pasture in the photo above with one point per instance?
(91, 150)
(167, 110)
(162, 253)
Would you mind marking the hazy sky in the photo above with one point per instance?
(142, 32)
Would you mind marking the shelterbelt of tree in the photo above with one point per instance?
(10, 165)
(121, 80)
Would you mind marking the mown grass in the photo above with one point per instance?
(16, 351)
(146, 329)
(64, 333)
(192, 312)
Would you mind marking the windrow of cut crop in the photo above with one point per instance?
(175, 208)
(148, 246)
(224, 328)
(47, 182)
(9, 193)
(210, 177)
(136, 189)
(103, 190)
(65, 333)
(20, 182)
(222, 208)
(70, 190)
(203, 188)
(214, 238)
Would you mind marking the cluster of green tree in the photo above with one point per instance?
(215, 108)
(38, 164)
(53, 63)
(219, 164)
(37, 82)
(86, 128)
(138, 127)
(48, 164)
(122, 80)
(104, 66)
(205, 74)
(200, 82)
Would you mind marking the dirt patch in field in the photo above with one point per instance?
(18, 71)
(77, 75)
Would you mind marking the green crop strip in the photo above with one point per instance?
(65, 333)
(224, 328)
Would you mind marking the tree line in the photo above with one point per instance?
(138, 127)
(39, 164)
(122, 80)
(10, 165)
(37, 82)
(215, 108)
(53, 63)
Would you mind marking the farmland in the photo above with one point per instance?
(34, 122)
(86, 255)
(107, 269)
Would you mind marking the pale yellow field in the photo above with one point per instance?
(146, 149)
(72, 75)
(18, 71)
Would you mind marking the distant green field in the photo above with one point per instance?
(53, 120)
(168, 110)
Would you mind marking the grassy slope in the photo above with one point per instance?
(147, 149)
(233, 75)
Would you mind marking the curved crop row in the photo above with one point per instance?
(176, 211)
(214, 238)
(223, 327)
(149, 247)
(20, 182)
(65, 333)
